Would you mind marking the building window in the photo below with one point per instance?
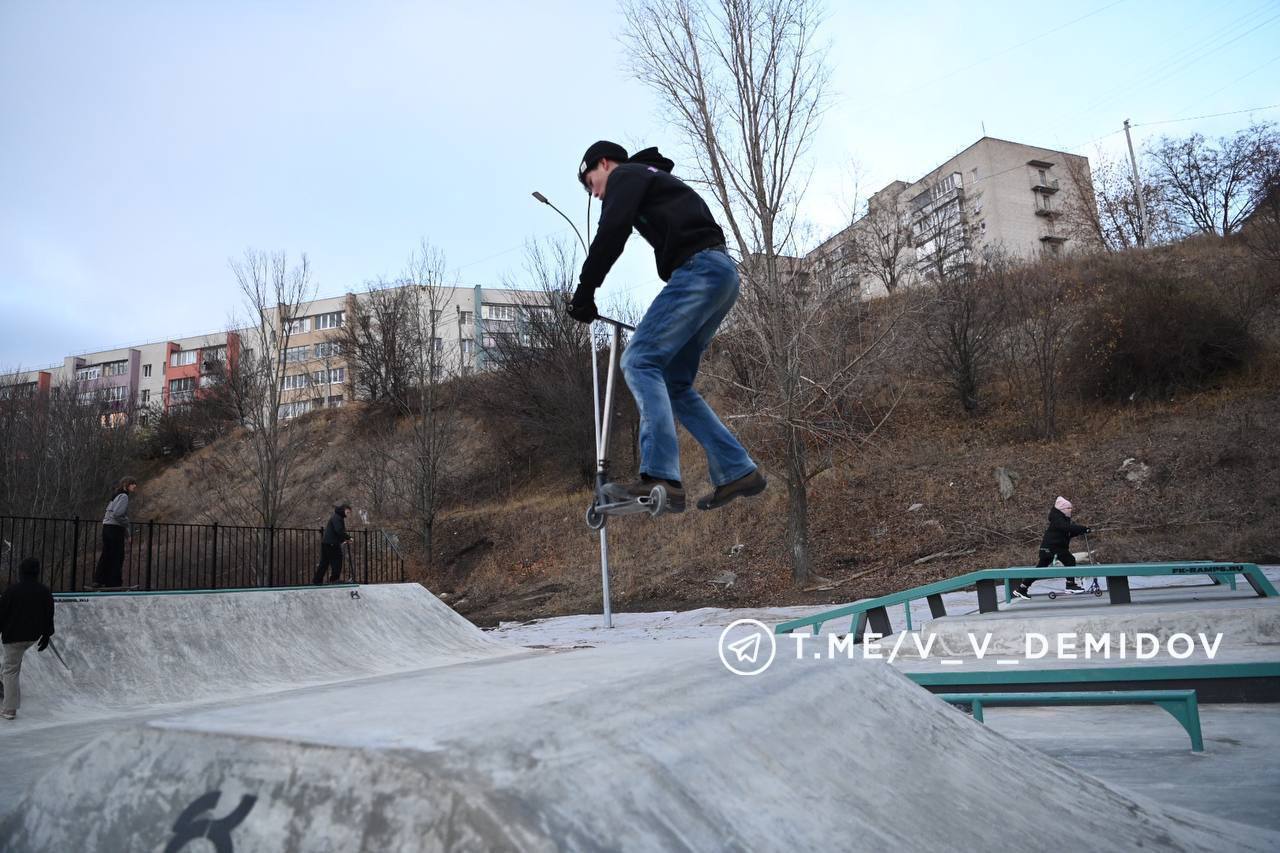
(332, 376)
(292, 410)
(335, 402)
(182, 357)
(293, 382)
(181, 390)
(146, 396)
(115, 368)
(435, 316)
(466, 317)
(116, 394)
(328, 349)
(146, 370)
(297, 327)
(293, 355)
(493, 311)
(468, 346)
(437, 344)
(86, 374)
(332, 320)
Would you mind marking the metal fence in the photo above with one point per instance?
(162, 556)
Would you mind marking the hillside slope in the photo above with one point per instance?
(1207, 486)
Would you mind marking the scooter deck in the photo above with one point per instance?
(606, 505)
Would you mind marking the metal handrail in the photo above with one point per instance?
(859, 610)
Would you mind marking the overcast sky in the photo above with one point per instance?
(142, 145)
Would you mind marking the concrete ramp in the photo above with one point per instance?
(650, 747)
(132, 652)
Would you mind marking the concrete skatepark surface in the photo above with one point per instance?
(471, 744)
(133, 651)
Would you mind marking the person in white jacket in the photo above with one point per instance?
(115, 533)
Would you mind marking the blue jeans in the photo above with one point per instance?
(661, 361)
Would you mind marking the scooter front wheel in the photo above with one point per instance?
(595, 518)
(657, 501)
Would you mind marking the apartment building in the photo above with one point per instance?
(133, 380)
(467, 324)
(995, 194)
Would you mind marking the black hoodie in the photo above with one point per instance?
(1061, 529)
(26, 610)
(642, 194)
(335, 532)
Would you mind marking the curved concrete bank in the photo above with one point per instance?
(636, 747)
(138, 651)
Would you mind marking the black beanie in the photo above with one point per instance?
(29, 568)
(597, 152)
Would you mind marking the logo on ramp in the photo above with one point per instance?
(747, 647)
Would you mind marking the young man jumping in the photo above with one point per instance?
(661, 360)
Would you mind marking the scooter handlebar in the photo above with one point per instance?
(617, 323)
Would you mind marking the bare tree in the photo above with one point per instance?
(1103, 210)
(428, 401)
(380, 340)
(1044, 304)
(538, 382)
(1261, 231)
(960, 315)
(59, 455)
(744, 82)
(882, 240)
(1212, 187)
(275, 295)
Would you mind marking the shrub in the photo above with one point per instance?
(1154, 330)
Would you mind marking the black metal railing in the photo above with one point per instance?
(164, 556)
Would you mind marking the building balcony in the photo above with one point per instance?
(1053, 238)
(1048, 186)
(1048, 213)
(927, 202)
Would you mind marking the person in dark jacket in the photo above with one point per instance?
(661, 359)
(335, 535)
(1056, 543)
(26, 619)
(115, 535)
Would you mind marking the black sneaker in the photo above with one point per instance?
(1074, 586)
(643, 487)
(1022, 592)
(745, 486)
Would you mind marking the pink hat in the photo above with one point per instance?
(1063, 505)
